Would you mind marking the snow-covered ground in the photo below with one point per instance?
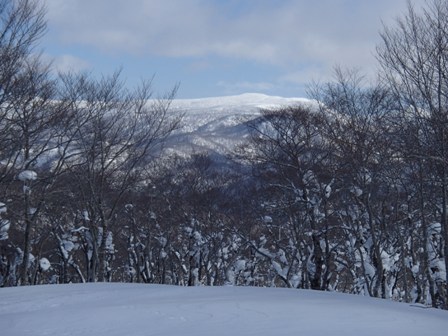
(219, 123)
(138, 309)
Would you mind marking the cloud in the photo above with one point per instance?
(199, 66)
(166, 28)
(66, 63)
(70, 63)
(284, 33)
(306, 75)
(245, 86)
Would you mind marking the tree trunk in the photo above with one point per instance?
(26, 241)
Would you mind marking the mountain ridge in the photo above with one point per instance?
(218, 124)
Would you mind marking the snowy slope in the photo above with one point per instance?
(137, 309)
(217, 124)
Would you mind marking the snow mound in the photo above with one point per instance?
(44, 264)
(27, 175)
(137, 309)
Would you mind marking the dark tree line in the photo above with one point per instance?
(347, 193)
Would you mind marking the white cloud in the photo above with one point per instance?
(307, 74)
(70, 63)
(161, 27)
(284, 33)
(245, 86)
(66, 63)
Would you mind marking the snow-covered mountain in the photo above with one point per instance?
(217, 124)
(107, 309)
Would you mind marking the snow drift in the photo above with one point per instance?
(109, 309)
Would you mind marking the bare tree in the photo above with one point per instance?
(30, 118)
(414, 60)
(22, 23)
(291, 158)
(357, 132)
(116, 132)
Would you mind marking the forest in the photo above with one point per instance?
(347, 194)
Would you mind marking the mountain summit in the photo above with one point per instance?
(217, 124)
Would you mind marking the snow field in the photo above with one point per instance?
(106, 309)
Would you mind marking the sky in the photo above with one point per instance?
(218, 47)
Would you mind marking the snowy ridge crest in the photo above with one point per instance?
(217, 124)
